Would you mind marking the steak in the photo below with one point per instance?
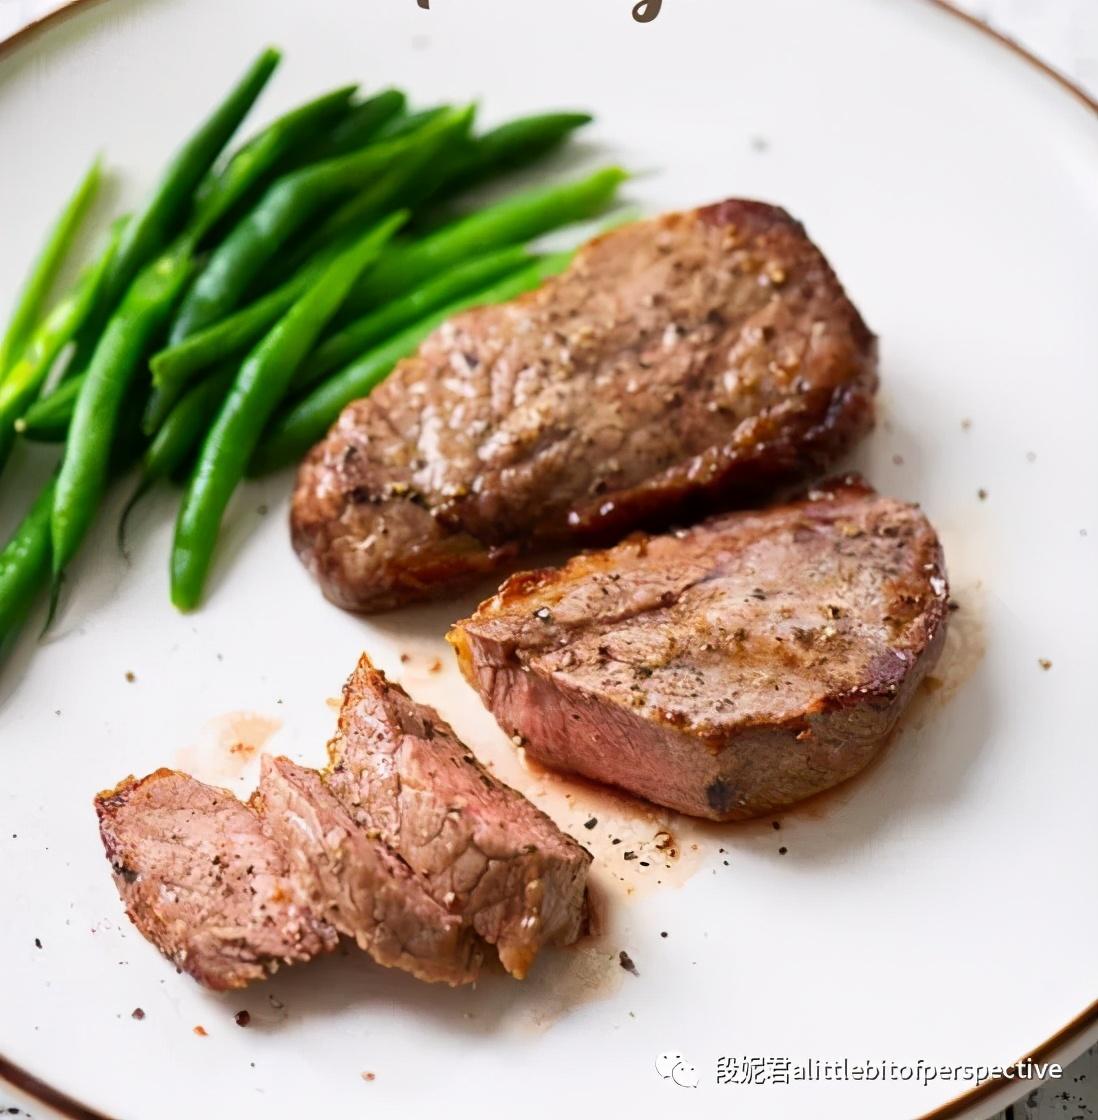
(694, 362)
(345, 873)
(407, 845)
(485, 852)
(201, 880)
(728, 670)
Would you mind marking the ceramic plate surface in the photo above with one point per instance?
(934, 909)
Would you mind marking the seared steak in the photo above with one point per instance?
(692, 362)
(203, 883)
(408, 845)
(365, 890)
(485, 852)
(727, 670)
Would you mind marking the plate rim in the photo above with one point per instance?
(1072, 1033)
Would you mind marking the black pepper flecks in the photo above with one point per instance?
(137, 1013)
(626, 962)
(242, 1018)
(591, 823)
(782, 851)
(38, 943)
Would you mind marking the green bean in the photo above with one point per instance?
(339, 349)
(259, 386)
(266, 152)
(360, 127)
(512, 145)
(306, 422)
(436, 139)
(251, 165)
(178, 436)
(163, 214)
(514, 220)
(104, 390)
(29, 373)
(24, 567)
(287, 206)
(28, 310)
(47, 420)
(174, 368)
(407, 123)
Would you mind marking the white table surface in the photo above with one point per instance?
(1065, 34)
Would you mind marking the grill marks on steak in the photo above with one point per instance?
(727, 670)
(484, 851)
(688, 362)
(407, 844)
(201, 880)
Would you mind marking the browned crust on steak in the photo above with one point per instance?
(728, 670)
(696, 361)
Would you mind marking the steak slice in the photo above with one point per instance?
(203, 883)
(365, 890)
(485, 851)
(724, 671)
(696, 361)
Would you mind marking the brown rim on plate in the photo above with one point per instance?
(1045, 1052)
(62, 1103)
(45, 1094)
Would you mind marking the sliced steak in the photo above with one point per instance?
(344, 872)
(728, 670)
(203, 883)
(692, 362)
(485, 851)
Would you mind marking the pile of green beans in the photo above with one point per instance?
(219, 329)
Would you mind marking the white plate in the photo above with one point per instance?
(937, 909)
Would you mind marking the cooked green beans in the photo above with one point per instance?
(372, 329)
(29, 373)
(177, 437)
(28, 310)
(287, 206)
(360, 127)
(144, 310)
(510, 222)
(175, 367)
(512, 145)
(259, 386)
(166, 209)
(407, 123)
(223, 192)
(24, 567)
(298, 429)
(435, 140)
(47, 420)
